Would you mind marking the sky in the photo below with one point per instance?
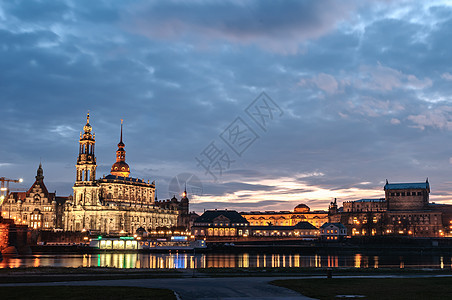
(255, 105)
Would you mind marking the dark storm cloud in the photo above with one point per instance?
(269, 24)
(365, 91)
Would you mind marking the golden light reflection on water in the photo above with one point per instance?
(220, 260)
(333, 261)
(297, 260)
(358, 261)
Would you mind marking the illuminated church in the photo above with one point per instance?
(116, 203)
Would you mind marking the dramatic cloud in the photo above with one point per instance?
(280, 26)
(358, 93)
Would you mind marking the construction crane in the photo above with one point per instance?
(5, 189)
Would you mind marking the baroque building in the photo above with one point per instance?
(113, 204)
(220, 223)
(184, 217)
(37, 207)
(405, 210)
(301, 213)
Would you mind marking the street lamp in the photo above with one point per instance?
(4, 189)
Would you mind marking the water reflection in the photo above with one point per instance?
(218, 260)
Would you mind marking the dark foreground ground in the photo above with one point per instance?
(84, 292)
(371, 288)
(208, 284)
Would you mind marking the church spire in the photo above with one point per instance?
(86, 160)
(184, 194)
(121, 132)
(120, 167)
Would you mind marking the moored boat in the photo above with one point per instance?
(175, 243)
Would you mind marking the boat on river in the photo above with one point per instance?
(175, 243)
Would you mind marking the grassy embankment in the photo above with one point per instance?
(84, 292)
(372, 288)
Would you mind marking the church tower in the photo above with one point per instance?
(86, 160)
(120, 167)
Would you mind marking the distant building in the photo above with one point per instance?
(301, 213)
(37, 207)
(184, 218)
(405, 210)
(300, 230)
(333, 231)
(220, 223)
(113, 204)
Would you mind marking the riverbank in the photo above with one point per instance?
(54, 274)
(363, 245)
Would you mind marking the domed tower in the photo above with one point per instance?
(120, 167)
(302, 208)
(86, 160)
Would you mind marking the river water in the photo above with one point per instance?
(241, 260)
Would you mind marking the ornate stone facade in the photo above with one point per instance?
(36, 207)
(405, 210)
(301, 213)
(115, 203)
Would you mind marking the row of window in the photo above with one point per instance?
(406, 194)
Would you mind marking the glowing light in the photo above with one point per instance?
(21, 180)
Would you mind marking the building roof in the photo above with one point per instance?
(209, 215)
(371, 200)
(407, 186)
(129, 179)
(61, 200)
(271, 227)
(300, 225)
(282, 212)
(304, 225)
(338, 225)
